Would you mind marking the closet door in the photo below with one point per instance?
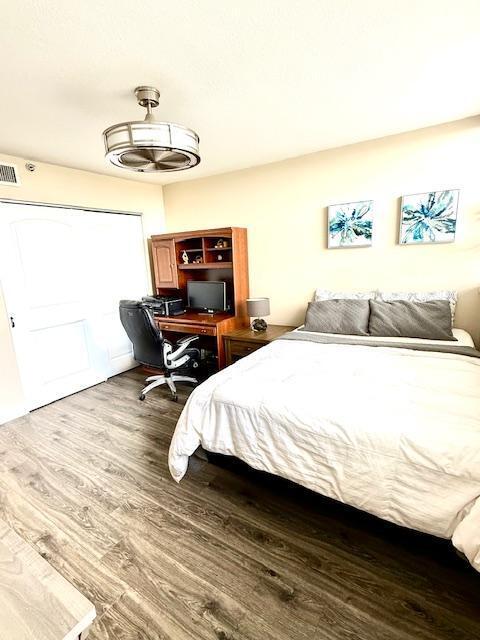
(42, 272)
(118, 269)
(63, 276)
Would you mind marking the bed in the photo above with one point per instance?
(390, 427)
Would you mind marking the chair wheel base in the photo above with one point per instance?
(141, 396)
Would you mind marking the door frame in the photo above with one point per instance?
(59, 205)
(22, 409)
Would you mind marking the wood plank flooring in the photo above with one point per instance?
(39, 601)
(226, 554)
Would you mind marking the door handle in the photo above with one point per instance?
(12, 321)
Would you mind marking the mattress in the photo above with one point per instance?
(392, 431)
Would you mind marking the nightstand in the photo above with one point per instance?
(241, 342)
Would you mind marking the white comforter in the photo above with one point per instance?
(391, 431)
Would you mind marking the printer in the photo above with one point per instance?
(164, 305)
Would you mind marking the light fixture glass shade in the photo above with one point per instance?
(151, 146)
(258, 307)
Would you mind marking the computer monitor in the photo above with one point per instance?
(209, 296)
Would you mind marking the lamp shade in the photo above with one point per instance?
(258, 307)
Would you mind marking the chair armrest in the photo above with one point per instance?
(182, 346)
(187, 339)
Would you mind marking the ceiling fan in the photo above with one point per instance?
(148, 145)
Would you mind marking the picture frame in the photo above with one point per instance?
(429, 217)
(350, 224)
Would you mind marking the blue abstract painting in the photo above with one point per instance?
(350, 224)
(429, 217)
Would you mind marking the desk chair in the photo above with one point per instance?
(151, 349)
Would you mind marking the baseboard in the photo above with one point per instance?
(6, 415)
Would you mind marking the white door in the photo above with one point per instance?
(117, 266)
(63, 273)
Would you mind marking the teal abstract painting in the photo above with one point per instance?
(350, 224)
(429, 217)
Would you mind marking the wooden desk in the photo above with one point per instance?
(36, 602)
(214, 326)
(242, 342)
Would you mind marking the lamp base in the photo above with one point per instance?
(259, 325)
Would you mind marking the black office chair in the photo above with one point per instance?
(151, 349)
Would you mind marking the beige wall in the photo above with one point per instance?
(60, 185)
(283, 205)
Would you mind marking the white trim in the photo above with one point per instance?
(12, 413)
(83, 625)
(69, 206)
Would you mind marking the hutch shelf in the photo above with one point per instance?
(211, 254)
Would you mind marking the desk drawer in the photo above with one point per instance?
(241, 349)
(187, 328)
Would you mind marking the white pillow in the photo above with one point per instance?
(420, 296)
(326, 294)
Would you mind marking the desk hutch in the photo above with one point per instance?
(206, 261)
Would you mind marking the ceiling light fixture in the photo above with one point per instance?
(148, 145)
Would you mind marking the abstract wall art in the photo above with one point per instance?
(429, 217)
(350, 224)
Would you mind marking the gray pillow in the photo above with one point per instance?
(349, 317)
(431, 320)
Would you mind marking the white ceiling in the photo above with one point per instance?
(259, 80)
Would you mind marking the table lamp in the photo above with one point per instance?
(258, 308)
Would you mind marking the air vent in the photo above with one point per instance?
(9, 175)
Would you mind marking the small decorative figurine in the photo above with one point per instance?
(185, 257)
(221, 244)
(219, 257)
(198, 260)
